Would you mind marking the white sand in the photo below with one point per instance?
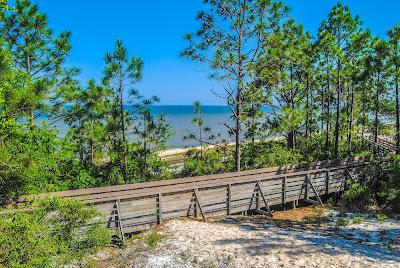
(240, 243)
(175, 151)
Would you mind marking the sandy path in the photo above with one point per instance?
(238, 243)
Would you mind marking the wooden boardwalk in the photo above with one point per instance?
(136, 207)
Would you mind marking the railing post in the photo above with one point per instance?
(328, 175)
(284, 191)
(229, 199)
(306, 190)
(258, 196)
(159, 208)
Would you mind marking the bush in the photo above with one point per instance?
(358, 220)
(342, 222)
(53, 232)
(382, 217)
(268, 154)
(213, 161)
(36, 160)
(378, 185)
(358, 197)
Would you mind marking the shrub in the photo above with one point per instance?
(213, 161)
(52, 233)
(153, 239)
(358, 197)
(358, 220)
(268, 154)
(342, 222)
(382, 217)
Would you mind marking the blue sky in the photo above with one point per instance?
(153, 30)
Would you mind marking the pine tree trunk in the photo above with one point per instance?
(307, 107)
(91, 142)
(328, 112)
(397, 110)
(122, 118)
(337, 123)
(238, 132)
(377, 109)
(351, 115)
(239, 101)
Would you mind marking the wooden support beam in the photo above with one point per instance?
(284, 191)
(121, 229)
(264, 199)
(351, 175)
(311, 201)
(327, 182)
(159, 203)
(306, 195)
(314, 190)
(229, 199)
(199, 207)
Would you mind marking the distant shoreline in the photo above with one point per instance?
(179, 151)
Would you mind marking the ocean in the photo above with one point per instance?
(180, 118)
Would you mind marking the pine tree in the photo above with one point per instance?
(152, 132)
(37, 51)
(342, 26)
(282, 73)
(394, 55)
(230, 41)
(121, 74)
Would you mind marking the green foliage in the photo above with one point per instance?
(268, 154)
(342, 222)
(378, 185)
(382, 217)
(36, 160)
(213, 161)
(358, 220)
(358, 197)
(153, 239)
(51, 233)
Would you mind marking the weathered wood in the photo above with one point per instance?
(328, 175)
(160, 208)
(196, 194)
(121, 228)
(229, 199)
(148, 204)
(314, 190)
(263, 197)
(284, 190)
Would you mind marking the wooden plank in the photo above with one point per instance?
(284, 191)
(160, 215)
(121, 229)
(229, 199)
(148, 185)
(263, 197)
(314, 190)
(196, 194)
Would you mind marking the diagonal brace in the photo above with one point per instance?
(264, 199)
(121, 229)
(313, 188)
(196, 195)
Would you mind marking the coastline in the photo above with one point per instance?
(180, 151)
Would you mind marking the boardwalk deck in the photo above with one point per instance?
(136, 207)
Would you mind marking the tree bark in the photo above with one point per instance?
(377, 109)
(397, 108)
(328, 111)
(350, 133)
(337, 124)
(122, 118)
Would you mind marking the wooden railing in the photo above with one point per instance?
(136, 207)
